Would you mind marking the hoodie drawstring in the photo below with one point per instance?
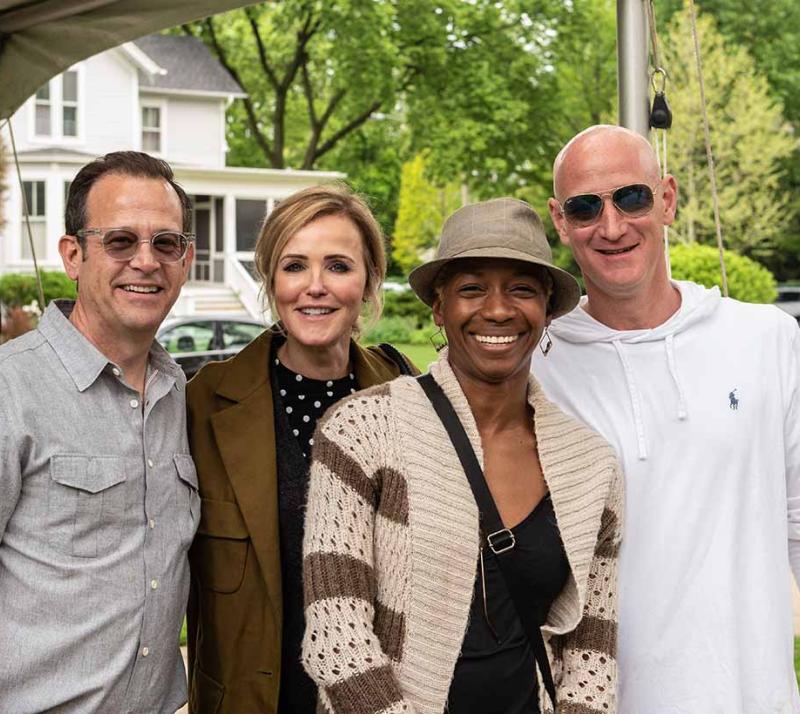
(683, 413)
(636, 401)
(635, 396)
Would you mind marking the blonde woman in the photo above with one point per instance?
(320, 256)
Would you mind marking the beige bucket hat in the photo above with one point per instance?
(499, 228)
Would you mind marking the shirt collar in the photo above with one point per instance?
(82, 360)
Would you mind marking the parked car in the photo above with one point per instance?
(789, 300)
(193, 341)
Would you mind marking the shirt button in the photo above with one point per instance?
(154, 583)
(134, 403)
(151, 523)
(145, 651)
(150, 463)
(115, 371)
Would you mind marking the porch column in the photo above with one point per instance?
(229, 226)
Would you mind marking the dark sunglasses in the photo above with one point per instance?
(122, 244)
(634, 200)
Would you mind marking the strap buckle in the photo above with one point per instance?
(501, 541)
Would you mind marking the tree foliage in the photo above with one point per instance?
(422, 209)
(314, 72)
(749, 136)
(770, 32)
(747, 280)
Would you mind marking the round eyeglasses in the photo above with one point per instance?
(122, 244)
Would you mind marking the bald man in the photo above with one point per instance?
(699, 395)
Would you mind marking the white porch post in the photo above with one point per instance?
(229, 226)
(632, 78)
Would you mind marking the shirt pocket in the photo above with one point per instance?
(220, 549)
(187, 498)
(86, 504)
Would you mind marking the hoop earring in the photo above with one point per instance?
(548, 345)
(438, 340)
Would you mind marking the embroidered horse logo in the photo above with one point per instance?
(734, 400)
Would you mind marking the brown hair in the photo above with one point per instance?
(125, 163)
(301, 208)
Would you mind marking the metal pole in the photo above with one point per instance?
(632, 75)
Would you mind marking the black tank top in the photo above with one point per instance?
(496, 674)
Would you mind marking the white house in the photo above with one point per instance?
(167, 96)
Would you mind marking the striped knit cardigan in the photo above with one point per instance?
(391, 548)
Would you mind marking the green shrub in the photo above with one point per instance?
(390, 329)
(407, 305)
(747, 280)
(17, 290)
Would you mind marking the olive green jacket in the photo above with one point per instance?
(235, 611)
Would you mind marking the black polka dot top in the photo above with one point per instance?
(305, 401)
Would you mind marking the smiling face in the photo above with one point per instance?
(319, 282)
(493, 311)
(620, 256)
(125, 299)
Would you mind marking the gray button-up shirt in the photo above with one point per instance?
(98, 506)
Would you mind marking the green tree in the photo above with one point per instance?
(421, 211)
(749, 135)
(582, 56)
(486, 107)
(314, 72)
(747, 280)
(770, 31)
(372, 159)
(471, 75)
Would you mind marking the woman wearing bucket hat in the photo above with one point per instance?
(462, 532)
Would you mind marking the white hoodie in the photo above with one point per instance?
(704, 412)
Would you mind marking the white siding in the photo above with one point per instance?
(112, 103)
(194, 131)
(107, 109)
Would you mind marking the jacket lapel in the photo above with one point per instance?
(245, 436)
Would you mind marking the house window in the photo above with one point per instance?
(151, 129)
(43, 111)
(249, 217)
(69, 103)
(35, 199)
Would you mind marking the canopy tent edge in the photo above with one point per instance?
(32, 51)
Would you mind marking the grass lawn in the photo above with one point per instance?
(797, 658)
(420, 355)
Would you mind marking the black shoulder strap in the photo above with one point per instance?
(394, 354)
(499, 539)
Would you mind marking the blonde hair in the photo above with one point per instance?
(301, 208)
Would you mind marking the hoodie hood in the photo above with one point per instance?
(697, 304)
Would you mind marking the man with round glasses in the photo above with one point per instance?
(98, 492)
(700, 395)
